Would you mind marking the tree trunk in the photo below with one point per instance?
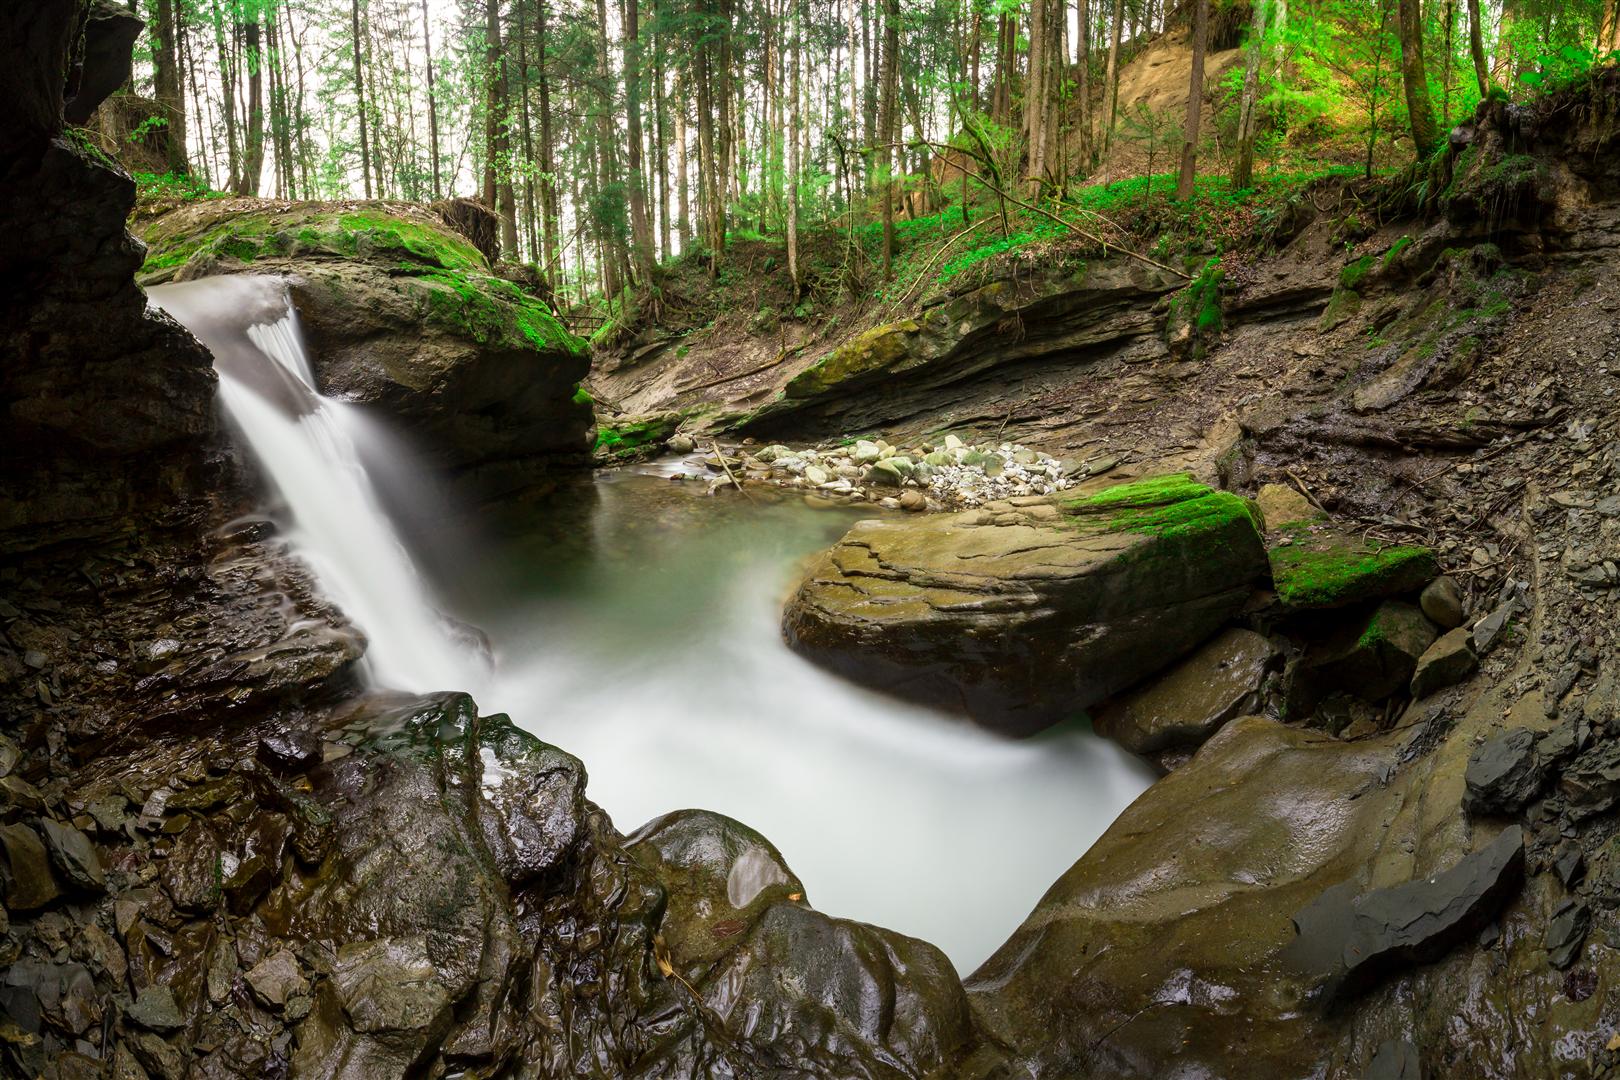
(640, 229)
(793, 158)
(167, 85)
(1111, 87)
(228, 101)
(660, 136)
(253, 154)
(1083, 77)
(1243, 166)
(1035, 97)
(683, 200)
(531, 210)
(1195, 102)
(891, 79)
(433, 104)
(360, 97)
(1425, 132)
(1476, 47)
(497, 166)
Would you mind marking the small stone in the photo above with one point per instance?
(74, 856)
(1569, 863)
(1489, 629)
(1396, 1059)
(681, 444)
(1281, 505)
(952, 443)
(816, 475)
(30, 885)
(1442, 601)
(290, 751)
(914, 501)
(1503, 773)
(155, 1010)
(1447, 662)
(1566, 933)
(886, 473)
(276, 978)
(35, 659)
(866, 452)
(10, 753)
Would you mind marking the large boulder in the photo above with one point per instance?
(403, 315)
(1029, 615)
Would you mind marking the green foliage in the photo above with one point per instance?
(171, 186)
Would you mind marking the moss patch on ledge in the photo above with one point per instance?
(635, 438)
(1321, 567)
(881, 348)
(1161, 506)
(250, 230)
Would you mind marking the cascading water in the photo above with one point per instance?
(307, 446)
(638, 625)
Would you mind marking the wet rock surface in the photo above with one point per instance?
(1184, 706)
(1025, 614)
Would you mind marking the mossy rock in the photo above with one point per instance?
(1023, 619)
(880, 349)
(628, 440)
(1321, 566)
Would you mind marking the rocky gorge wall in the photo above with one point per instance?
(221, 858)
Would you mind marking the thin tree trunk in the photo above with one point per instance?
(360, 97)
(531, 213)
(433, 104)
(1476, 47)
(891, 79)
(228, 100)
(794, 120)
(1083, 77)
(1111, 88)
(1243, 167)
(1415, 76)
(1195, 102)
(683, 200)
(497, 167)
(640, 228)
(660, 136)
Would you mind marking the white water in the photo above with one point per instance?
(637, 625)
(306, 444)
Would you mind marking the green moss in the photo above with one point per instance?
(493, 311)
(582, 396)
(1351, 275)
(882, 348)
(635, 438)
(306, 230)
(1395, 250)
(1322, 568)
(1161, 506)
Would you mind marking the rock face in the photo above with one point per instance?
(1183, 707)
(1024, 617)
(1348, 940)
(405, 316)
(108, 409)
(963, 334)
(1320, 566)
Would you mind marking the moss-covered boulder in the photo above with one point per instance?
(1024, 615)
(1317, 565)
(404, 315)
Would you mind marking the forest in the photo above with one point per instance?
(615, 138)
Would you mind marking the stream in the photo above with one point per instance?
(635, 622)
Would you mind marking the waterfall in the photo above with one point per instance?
(306, 445)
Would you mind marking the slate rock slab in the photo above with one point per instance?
(1348, 939)
(1503, 773)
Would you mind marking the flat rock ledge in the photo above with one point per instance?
(1026, 612)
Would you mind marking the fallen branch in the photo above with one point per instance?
(721, 458)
